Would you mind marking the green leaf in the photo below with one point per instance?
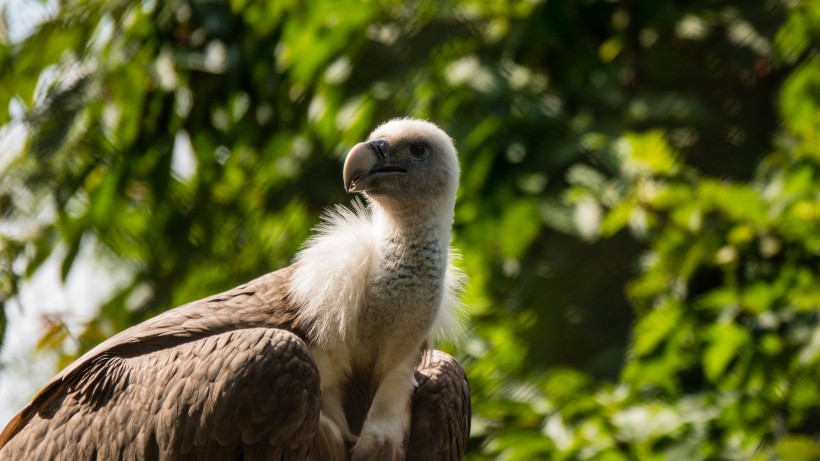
(519, 226)
(655, 327)
(617, 218)
(54, 336)
(798, 448)
(71, 255)
(648, 153)
(725, 342)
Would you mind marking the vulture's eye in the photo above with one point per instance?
(419, 150)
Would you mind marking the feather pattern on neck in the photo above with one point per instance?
(331, 273)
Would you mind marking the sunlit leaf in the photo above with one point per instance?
(648, 153)
(654, 328)
(726, 340)
(798, 448)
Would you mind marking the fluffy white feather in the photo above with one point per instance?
(450, 320)
(331, 273)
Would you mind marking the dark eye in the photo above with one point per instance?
(418, 150)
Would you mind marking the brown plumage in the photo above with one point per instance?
(262, 372)
(441, 403)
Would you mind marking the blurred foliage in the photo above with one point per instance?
(639, 211)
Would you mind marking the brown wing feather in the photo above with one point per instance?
(441, 410)
(209, 380)
(328, 444)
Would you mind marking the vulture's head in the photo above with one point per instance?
(404, 162)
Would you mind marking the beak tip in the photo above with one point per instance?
(360, 160)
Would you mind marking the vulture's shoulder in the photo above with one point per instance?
(262, 303)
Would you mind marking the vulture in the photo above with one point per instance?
(326, 359)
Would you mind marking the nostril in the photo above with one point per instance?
(381, 146)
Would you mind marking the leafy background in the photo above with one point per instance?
(639, 212)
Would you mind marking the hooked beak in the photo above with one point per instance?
(365, 160)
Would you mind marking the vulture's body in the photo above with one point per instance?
(325, 359)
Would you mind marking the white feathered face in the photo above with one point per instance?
(405, 160)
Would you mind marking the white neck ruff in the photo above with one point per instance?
(331, 272)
